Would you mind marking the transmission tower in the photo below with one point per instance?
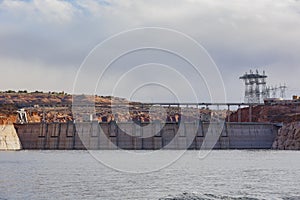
(268, 92)
(255, 87)
(282, 89)
(274, 91)
(264, 92)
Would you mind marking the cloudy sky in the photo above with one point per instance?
(44, 42)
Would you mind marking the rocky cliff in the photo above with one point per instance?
(56, 107)
(288, 137)
(9, 139)
(284, 113)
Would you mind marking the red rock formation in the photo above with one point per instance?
(288, 137)
(269, 113)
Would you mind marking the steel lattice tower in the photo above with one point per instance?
(282, 89)
(255, 87)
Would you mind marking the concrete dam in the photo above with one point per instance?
(151, 136)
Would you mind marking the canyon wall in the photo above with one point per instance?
(288, 137)
(9, 139)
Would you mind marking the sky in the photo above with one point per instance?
(43, 43)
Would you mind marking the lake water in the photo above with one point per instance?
(220, 175)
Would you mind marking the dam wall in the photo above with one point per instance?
(129, 136)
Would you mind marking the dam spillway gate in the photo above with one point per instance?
(109, 136)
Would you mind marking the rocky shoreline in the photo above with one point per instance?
(288, 137)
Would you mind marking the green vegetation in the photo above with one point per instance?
(23, 91)
(37, 92)
(10, 91)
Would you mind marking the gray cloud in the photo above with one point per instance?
(51, 38)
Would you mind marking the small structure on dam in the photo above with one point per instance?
(22, 116)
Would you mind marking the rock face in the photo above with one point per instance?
(288, 137)
(269, 113)
(9, 139)
(49, 108)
